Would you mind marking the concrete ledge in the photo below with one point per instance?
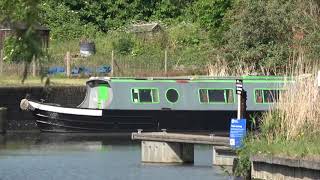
(182, 138)
(166, 152)
(266, 167)
(291, 162)
(223, 156)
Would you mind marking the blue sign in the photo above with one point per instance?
(237, 132)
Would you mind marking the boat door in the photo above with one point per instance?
(102, 98)
(100, 95)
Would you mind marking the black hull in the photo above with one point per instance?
(131, 120)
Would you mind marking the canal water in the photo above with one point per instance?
(39, 156)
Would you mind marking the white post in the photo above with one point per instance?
(165, 62)
(112, 62)
(239, 107)
(239, 89)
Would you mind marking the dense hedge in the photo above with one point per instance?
(264, 34)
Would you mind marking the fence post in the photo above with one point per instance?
(68, 59)
(112, 63)
(166, 62)
(34, 66)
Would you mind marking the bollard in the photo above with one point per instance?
(3, 120)
(211, 135)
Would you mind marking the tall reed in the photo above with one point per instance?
(297, 113)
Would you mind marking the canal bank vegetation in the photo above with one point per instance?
(198, 35)
(15, 81)
(261, 36)
(290, 129)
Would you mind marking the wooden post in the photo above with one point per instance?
(68, 61)
(112, 63)
(3, 120)
(1, 61)
(34, 66)
(166, 62)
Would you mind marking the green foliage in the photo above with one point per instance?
(260, 32)
(210, 13)
(168, 10)
(186, 34)
(123, 45)
(73, 19)
(25, 43)
(22, 48)
(65, 24)
(19, 10)
(243, 33)
(243, 164)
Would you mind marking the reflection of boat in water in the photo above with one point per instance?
(177, 104)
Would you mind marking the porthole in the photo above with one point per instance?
(172, 95)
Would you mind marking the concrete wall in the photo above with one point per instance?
(166, 152)
(10, 97)
(264, 167)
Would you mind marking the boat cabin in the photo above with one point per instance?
(194, 94)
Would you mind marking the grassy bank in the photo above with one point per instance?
(188, 48)
(290, 129)
(10, 81)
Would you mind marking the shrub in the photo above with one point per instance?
(123, 45)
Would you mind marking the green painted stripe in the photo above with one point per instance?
(137, 81)
(103, 94)
(264, 77)
(246, 79)
(268, 81)
(216, 80)
(172, 81)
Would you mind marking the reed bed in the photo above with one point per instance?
(291, 127)
(296, 114)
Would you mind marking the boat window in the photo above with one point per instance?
(267, 95)
(216, 96)
(172, 95)
(96, 83)
(203, 95)
(145, 95)
(229, 96)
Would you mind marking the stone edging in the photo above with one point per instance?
(291, 162)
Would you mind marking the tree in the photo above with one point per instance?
(260, 33)
(210, 15)
(65, 23)
(24, 44)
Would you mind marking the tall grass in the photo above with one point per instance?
(291, 127)
(296, 114)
